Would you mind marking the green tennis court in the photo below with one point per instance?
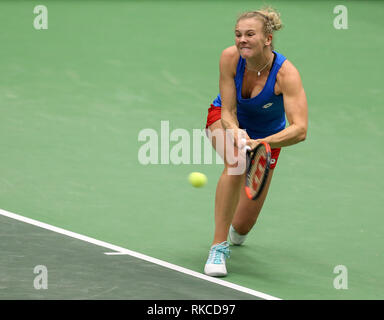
(74, 99)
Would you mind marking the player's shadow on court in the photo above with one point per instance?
(249, 261)
(274, 264)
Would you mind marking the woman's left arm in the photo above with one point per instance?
(296, 109)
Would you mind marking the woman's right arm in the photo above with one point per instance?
(228, 63)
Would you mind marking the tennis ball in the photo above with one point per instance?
(197, 179)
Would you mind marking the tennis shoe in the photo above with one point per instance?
(236, 238)
(215, 266)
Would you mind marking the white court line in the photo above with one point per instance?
(115, 253)
(121, 250)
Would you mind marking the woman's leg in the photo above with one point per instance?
(248, 210)
(231, 204)
(228, 187)
(226, 200)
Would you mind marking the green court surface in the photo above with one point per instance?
(75, 97)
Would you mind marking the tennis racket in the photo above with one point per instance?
(258, 164)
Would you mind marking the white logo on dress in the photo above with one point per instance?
(267, 105)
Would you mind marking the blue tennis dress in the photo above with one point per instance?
(263, 115)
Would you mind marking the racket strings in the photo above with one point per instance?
(258, 167)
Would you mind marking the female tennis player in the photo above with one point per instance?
(259, 89)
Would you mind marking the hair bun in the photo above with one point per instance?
(273, 18)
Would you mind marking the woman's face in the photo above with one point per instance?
(249, 37)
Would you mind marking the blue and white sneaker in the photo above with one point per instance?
(215, 266)
(236, 238)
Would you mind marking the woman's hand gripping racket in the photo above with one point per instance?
(257, 169)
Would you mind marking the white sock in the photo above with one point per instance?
(236, 238)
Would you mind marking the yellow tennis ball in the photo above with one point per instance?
(197, 179)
